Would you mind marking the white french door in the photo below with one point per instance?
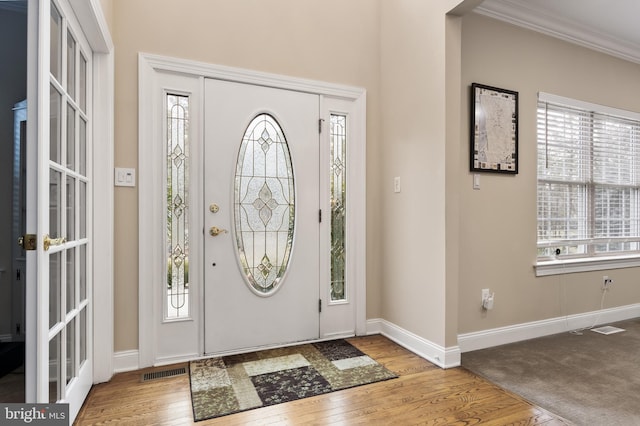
(261, 191)
(59, 308)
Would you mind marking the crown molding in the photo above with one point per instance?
(527, 15)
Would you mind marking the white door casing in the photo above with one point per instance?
(344, 318)
(236, 317)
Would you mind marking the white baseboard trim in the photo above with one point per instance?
(432, 352)
(514, 333)
(125, 361)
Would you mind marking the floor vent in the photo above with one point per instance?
(154, 375)
(607, 330)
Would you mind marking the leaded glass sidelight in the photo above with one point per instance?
(264, 204)
(177, 254)
(338, 193)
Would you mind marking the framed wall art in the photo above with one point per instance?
(494, 129)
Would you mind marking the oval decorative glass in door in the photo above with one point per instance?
(264, 205)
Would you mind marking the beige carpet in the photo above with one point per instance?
(589, 379)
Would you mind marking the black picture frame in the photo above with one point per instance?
(494, 130)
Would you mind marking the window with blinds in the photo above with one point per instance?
(588, 179)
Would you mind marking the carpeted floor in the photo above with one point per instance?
(225, 385)
(589, 379)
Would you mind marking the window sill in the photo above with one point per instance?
(570, 266)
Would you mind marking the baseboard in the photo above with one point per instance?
(125, 361)
(432, 352)
(500, 336)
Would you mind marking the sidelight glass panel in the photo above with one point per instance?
(338, 191)
(264, 206)
(177, 285)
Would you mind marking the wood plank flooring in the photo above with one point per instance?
(423, 394)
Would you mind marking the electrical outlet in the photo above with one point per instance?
(606, 283)
(487, 299)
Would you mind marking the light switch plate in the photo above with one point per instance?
(476, 181)
(396, 184)
(125, 177)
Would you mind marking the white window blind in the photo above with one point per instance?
(588, 179)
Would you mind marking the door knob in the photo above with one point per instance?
(48, 242)
(215, 231)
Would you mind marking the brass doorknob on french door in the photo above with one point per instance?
(215, 231)
(48, 242)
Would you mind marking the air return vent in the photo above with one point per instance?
(163, 374)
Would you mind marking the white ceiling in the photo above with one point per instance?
(609, 26)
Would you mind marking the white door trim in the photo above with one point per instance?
(96, 30)
(148, 66)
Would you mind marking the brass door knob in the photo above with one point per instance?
(48, 242)
(215, 231)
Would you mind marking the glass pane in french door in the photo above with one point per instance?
(54, 368)
(68, 200)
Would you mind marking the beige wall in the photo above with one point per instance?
(413, 70)
(328, 40)
(107, 10)
(497, 241)
(432, 247)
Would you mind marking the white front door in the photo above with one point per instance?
(261, 192)
(59, 158)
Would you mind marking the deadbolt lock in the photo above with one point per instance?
(214, 208)
(28, 241)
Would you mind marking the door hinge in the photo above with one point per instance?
(319, 305)
(320, 121)
(320, 215)
(18, 275)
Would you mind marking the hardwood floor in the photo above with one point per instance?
(423, 394)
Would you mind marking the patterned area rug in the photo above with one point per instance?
(226, 385)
